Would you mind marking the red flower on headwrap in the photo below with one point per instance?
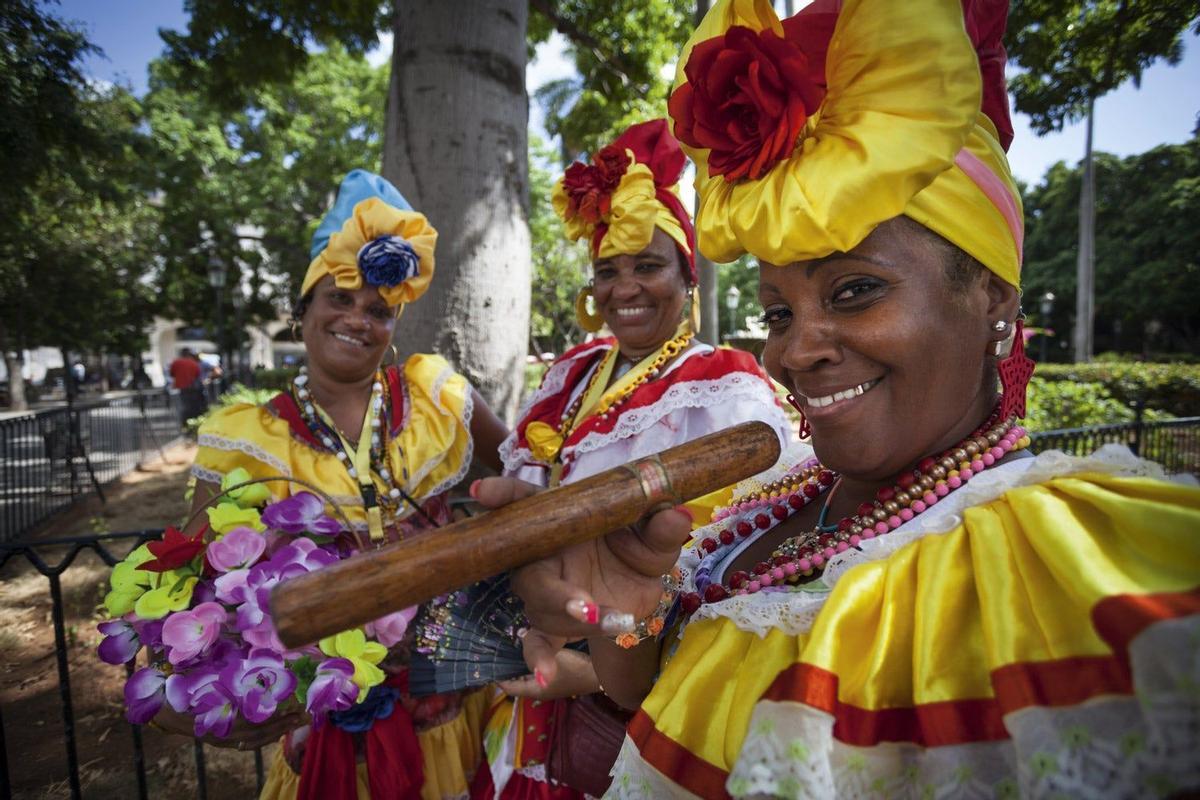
(746, 100)
(589, 187)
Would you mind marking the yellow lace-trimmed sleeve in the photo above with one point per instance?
(246, 436)
(436, 439)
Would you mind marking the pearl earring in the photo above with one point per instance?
(999, 325)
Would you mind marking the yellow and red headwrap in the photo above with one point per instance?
(372, 234)
(808, 133)
(628, 190)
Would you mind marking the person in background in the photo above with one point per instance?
(186, 376)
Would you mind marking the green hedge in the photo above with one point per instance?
(277, 379)
(1173, 388)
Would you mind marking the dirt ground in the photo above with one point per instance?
(151, 497)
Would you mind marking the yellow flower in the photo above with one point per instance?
(353, 646)
(248, 496)
(128, 582)
(171, 594)
(227, 516)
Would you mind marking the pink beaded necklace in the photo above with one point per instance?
(912, 493)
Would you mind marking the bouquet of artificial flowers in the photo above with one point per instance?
(199, 605)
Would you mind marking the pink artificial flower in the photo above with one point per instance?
(241, 547)
(389, 630)
(187, 634)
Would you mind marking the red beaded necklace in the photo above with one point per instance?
(912, 493)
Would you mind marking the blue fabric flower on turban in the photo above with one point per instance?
(388, 261)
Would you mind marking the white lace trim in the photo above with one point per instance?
(204, 474)
(535, 772)
(793, 613)
(635, 779)
(243, 446)
(685, 394)
(1139, 746)
(553, 382)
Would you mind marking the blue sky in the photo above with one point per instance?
(1130, 120)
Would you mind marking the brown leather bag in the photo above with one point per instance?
(587, 736)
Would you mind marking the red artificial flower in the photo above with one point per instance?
(173, 550)
(746, 100)
(589, 187)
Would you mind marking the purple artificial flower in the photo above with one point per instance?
(388, 260)
(187, 634)
(120, 642)
(389, 630)
(149, 631)
(333, 688)
(144, 694)
(240, 547)
(261, 683)
(208, 694)
(301, 513)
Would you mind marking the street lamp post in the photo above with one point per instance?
(732, 296)
(1047, 308)
(216, 279)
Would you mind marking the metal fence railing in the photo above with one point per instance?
(66, 550)
(1174, 443)
(53, 457)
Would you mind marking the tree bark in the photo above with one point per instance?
(456, 146)
(1085, 268)
(13, 363)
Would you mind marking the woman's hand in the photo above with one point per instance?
(598, 588)
(574, 676)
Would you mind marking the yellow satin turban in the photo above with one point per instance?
(371, 234)
(864, 112)
(628, 190)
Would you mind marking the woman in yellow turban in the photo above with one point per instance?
(386, 442)
(647, 387)
(924, 608)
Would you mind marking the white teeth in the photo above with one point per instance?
(845, 394)
(629, 312)
(348, 340)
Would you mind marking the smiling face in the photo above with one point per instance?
(346, 332)
(888, 357)
(641, 296)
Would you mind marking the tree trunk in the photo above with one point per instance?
(1085, 285)
(456, 146)
(13, 364)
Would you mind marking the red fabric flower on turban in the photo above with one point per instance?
(589, 187)
(747, 97)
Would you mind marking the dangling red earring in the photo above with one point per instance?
(805, 428)
(1015, 371)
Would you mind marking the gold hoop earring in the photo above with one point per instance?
(394, 353)
(694, 318)
(589, 321)
(297, 331)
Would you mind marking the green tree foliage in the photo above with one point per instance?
(1147, 248)
(624, 53)
(560, 267)
(249, 184)
(1071, 51)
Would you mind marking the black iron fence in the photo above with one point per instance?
(53, 457)
(1173, 443)
(66, 552)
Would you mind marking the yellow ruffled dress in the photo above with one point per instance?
(435, 408)
(1040, 637)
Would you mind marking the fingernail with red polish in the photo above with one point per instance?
(540, 678)
(473, 490)
(591, 613)
(687, 512)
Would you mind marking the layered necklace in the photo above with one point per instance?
(912, 493)
(370, 455)
(596, 400)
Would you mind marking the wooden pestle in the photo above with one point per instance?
(377, 582)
